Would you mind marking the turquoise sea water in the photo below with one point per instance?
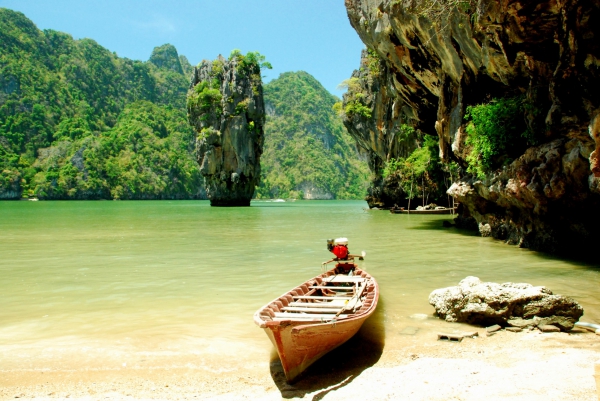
(161, 276)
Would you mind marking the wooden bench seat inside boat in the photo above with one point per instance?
(320, 297)
(333, 304)
(310, 309)
(344, 279)
(312, 316)
(332, 287)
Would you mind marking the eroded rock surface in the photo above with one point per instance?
(514, 304)
(226, 107)
(374, 121)
(546, 50)
(539, 201)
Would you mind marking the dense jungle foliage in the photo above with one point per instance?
(306, 145)
(497, 133)
(78, 122)
(422, 174)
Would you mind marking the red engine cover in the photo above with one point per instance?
(340, 251)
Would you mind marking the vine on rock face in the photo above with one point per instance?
(438, 11)
(373, 63)
(206, 97)
(356, 103)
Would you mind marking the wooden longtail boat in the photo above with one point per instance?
(446, 210)
(319, 315)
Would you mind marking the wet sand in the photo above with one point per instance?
(414, 366)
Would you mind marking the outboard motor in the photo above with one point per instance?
(339, 247)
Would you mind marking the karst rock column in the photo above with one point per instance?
(225, 106)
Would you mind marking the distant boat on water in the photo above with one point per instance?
(269, 200)
(437, 210)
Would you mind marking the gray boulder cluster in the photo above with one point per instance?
(508, 304)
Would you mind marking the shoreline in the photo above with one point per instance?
(518, 366)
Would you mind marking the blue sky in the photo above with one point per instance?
(310, 35)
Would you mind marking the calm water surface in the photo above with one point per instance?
(173, 276)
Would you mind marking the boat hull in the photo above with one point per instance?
(299, 344)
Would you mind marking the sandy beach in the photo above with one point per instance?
(505, 366)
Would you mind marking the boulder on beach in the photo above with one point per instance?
(507, 304)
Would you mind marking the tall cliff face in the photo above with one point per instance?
(226, 107)
(374, 119)
(546, 51)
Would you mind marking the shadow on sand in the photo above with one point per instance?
(340, 366)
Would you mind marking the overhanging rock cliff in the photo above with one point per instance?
(374, 118)
(546, 196)
(226, 107)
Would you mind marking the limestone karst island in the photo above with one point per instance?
(358, 199)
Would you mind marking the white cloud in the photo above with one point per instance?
(157, 23)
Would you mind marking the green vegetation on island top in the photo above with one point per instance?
(307, 151)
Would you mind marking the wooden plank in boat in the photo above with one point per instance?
(308, 318)
(304, 315)
(344, 279)
(315, 305)
(332, 287)
(319, 296)
(303, 309)
(328, 319)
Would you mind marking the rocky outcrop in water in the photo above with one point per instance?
(545, 197)
(515, 304)
(226, 107)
